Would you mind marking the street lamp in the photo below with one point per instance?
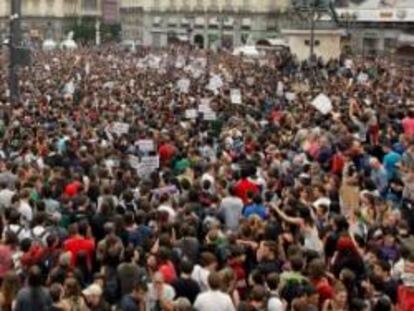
(14, 42)
(347, 19)
(311, 11)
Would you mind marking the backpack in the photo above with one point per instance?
(39, 238)
(112, 287)
(17, 233)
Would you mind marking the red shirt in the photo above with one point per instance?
(166, 152)
(324, 289)
(337, 164)
(405, 300)
(6, 261)
(33, 256)
(72, 189)
(243, 187)
(168, 272)
(408, 125)
(77, 244)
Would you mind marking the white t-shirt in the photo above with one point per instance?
(168, 209)
(26, 211)
(168, 293)
(200, 275)
(275, 304)
(213, 300)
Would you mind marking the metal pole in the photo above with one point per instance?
(97, 32)
(14, 42)
(312, 31)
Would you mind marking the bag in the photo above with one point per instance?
(39, 238)
(112, 287)
(17, 233)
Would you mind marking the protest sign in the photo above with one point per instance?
(362, 78)
(183, 85)
(133, 161)
(279, 90)
(146, 145)
(215, 83)
(147, 165)
(69, 88)
(290, 96)
(120, 128)
(171, 190)
(235, 96)
(209, 115)
(322, 103)
(204, 108)
(191, 113)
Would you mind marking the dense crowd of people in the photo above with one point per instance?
(183, 179)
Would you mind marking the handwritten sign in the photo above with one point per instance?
(290, 96)
(204, 108)
(120, 128)
(362, 78)
(183, 85)
(322, 103)
(209, 115)
(191, 114)
(146, 145)
(235, 96)
(147, 165)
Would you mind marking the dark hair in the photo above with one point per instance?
(297, 263)
(258, 277)
(186, 266)
(258, 293)
(55, 292)
(273, 280)
(384, 265)
(34, 278)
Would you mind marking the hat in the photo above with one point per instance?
(93, 289)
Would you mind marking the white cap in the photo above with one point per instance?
(93, 289)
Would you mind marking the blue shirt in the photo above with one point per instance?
(255, 209)
(389, 162)
(380, 179)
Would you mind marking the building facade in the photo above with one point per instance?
(378, 27)
(206, 23)
(48, 18)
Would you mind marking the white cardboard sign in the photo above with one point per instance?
(322, 103)
(191, 114)
(235, 96)
(120, 128)
(146, 145)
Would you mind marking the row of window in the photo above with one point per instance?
(199, 3)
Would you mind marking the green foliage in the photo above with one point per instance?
(85, 32)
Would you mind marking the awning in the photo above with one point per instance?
(185, 21)
(199, 21)
(182, 38)
(213, 21)
(246, 22)
(172, 21)
(228, 21)
(406, 38)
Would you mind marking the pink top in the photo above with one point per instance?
(408, 124)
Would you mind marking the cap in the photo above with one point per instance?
(93, 289)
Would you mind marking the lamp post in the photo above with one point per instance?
(311, 11)
(14, 43)
(347, 19)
